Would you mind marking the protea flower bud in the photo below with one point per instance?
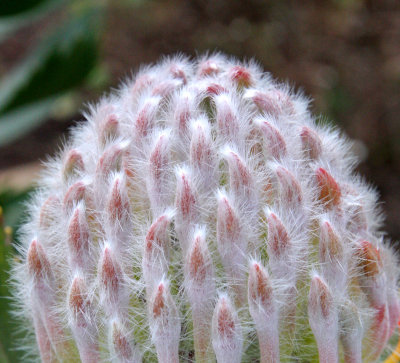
(201, 214)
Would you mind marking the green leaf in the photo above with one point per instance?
(8, 325)
(22, 120)
(63, 61)
(13, 205)
(5, 319)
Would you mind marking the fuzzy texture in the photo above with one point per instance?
(201, 213)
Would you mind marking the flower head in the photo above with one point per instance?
(200, 212)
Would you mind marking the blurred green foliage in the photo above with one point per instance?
(14, 14)
(62, 61)
(11, 215)
(8, 8)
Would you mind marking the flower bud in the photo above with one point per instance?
(81, 312)
(73, 163)
(274, 142)
(241, 180)
(311, 143)
(289, 189)
(227, 337)
(119, 213)
(144, 121)
(374, 284)
(48, 216)
(323, 318)
(332, 257)
(111, 283)
(199, 271)
(110, 160)
(38, 263)
(164, 324)
(241, 76)
(123, 348)
(273, 102)
(159, 180)
(232, 244)
(50, 336)
(208, 67)
(227, 118)
(187, 211)
(200, 288)
(74, 194)
(330, 193)
(109, 129)
(203, 158)
(79, 239)
(156, 251)
(263, 310)
(183, 112)
(196, 177)
(351, 332)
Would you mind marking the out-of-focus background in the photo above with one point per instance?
(56, 55)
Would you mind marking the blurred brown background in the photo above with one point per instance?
(345, 54)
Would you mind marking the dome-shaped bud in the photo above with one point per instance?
(332, 256)
(144, 121)
(241, 76)
(81, 312)
(38, 263)
(227, 118)
(160, 179)
(156, 251)
(49, 210)
(227, 337)
(123, 349)
(73, 163)
(323, 317)
(110, 160)
(164, 324)
(184, 219)
(74, 194)
(289, 188)
(111, 282)
(329, 190)
(200, 288)
(109, 129)
(275, 145)
(264, 311)
(79, 239)
(203, 158)
(311, 143)
(187, 206)
(241, 180)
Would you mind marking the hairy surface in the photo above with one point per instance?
(201, 213)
